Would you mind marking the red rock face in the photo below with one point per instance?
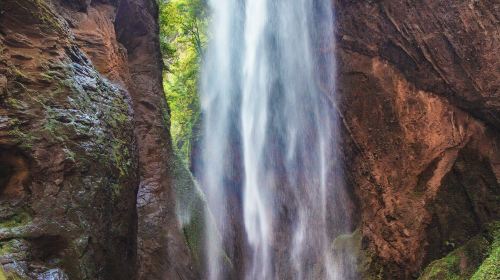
(86, 160)
(418, 86)
(163, 252)
(67, 196)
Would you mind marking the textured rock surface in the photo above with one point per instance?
(85, 159)
(163, 253)
(477, 259)
(86, 185)
(68, 154)
(420, 102)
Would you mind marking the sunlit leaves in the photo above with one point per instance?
(182, 36)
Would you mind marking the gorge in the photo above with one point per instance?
(336, 140)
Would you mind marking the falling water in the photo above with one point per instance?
(269, 147)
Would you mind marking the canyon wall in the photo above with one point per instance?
(86, 164)
(86, 187)
(418, 87)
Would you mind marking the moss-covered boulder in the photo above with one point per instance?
(479, 258)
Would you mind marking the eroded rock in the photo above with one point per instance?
(418, 98)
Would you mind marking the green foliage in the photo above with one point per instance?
(476, 259)
(445, 268)
(183, 38)
(490, 268)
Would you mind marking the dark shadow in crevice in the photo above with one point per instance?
(466, 201)
(6, 172)
(48, 249)
(14, 173)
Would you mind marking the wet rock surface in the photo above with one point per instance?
(86, 187)
(418, 86)
(68, 198)
(86, 164)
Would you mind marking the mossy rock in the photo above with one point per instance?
(16, 220)
(8, 275)
(190, 208)
(2, 274)
(477, 259)
(490, 268)
(366, 265)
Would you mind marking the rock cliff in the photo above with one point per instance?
(418, 85)
(86, 190)
(87, 168)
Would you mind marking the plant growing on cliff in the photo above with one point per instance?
(183, 38)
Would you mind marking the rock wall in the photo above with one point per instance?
(86, 187)
(86, 164)
(418, 84)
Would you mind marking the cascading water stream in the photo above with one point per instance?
(270, 137)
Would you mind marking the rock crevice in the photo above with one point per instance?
(86, 161)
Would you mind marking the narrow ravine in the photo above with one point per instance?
(249, 140)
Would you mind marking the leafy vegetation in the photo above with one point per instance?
(183, 38)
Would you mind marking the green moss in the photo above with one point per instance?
(118, 120)
(490, 268)
(18, 73)
(16, 220)
(13, 247)
(121, 157)
(118, 117)
(6, 248)
(46, 77)
(15, 103)
(9, 275)
(45, 14)
(445, 268)
(26, 140)
(52, 127)
(19, 135)
(192, 212)
(462, 262)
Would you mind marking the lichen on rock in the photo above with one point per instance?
(61, 127)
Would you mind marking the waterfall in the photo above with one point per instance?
(269, 148)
